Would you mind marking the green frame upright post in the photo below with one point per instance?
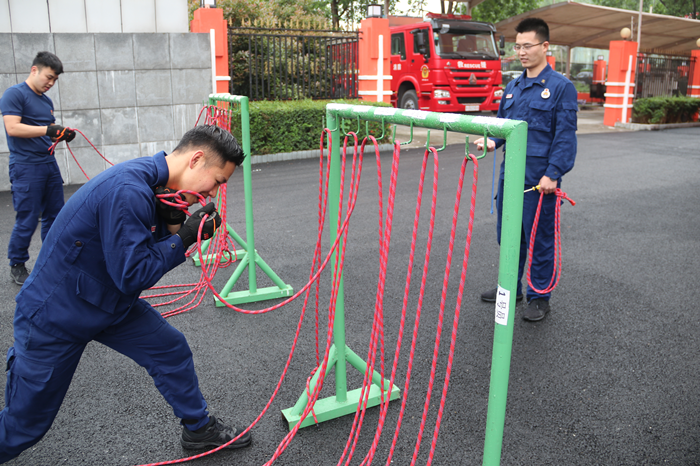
(511, 230)
(515, 134)
(250, 259)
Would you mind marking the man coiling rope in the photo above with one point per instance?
(547, 102)
(107, 244)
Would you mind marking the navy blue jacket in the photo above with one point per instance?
(549, 107)
(105, 247)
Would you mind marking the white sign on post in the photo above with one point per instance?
(502, 305)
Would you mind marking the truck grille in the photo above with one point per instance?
(471, 100)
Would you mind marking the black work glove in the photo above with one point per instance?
(188, 231)
(60, 133)
(171, 215)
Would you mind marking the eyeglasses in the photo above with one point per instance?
(526, 47)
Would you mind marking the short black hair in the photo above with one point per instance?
(216, 141)
(536, 25)
(44, 59)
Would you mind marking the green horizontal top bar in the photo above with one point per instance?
(472, 124)
(228, 97)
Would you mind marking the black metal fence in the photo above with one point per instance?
(662, 75)
(287, 64)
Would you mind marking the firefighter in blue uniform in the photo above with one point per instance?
(37, 186)
(112, 240)
(547, 101)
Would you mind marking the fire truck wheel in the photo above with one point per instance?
(409, 100)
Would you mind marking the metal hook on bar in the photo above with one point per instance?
(342, 125)
(383, 129)
(323, 121)
(466, 148)
(486, 147)
(444, 139)
(410, 140)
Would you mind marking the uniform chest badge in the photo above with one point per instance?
(509, 96)
(153, 229)
(545, 94)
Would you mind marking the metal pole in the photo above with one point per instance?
(251, 259)
(507, 278)
(248, 188)
(341, 387)
(639, 26)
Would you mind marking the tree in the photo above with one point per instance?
(354, 11)
(280, 11)
(494, 11)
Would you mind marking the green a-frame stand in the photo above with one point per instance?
(248, 256)
(515, 134)
(344, 402)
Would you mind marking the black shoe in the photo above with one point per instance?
(19, 273)
(490, 296)
(213, 435)
(536, 310)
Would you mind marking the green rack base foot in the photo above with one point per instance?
(328, 408)
(239, 297)
(227, 257)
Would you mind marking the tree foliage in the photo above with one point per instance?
(280, 11)
(354, 11)
(497, 10)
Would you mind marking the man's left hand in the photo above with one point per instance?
(60, 133)
(547, 185)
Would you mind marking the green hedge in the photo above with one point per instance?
(662, 110)
(289, 126)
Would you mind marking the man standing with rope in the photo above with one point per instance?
(111, 241)
(37, 185)
(547, 101)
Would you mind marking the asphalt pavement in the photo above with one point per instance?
(610, 377)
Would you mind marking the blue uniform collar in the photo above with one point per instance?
(542, 79)
(161, 169)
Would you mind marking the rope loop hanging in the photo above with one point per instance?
(556, 272)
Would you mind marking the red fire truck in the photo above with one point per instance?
(447, 63)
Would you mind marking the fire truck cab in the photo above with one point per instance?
(447, 63)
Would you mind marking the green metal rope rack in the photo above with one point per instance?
(515, 134)
(249, 257)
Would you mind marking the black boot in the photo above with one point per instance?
(213, 435)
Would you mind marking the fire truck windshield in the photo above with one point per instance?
(451, 42)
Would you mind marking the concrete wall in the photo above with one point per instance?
(131, 94)
(37, 16)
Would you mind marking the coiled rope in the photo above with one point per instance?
(556, 272)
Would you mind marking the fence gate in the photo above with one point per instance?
(284, 64)
(662, 75)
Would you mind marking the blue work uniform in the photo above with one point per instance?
(105, 247)
(37, 185)
(548, 105)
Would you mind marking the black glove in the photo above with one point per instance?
(171, 215)
(188, 231)
(60, 133)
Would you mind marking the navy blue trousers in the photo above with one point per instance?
(37, 192)
(543, 250)
(40, 368)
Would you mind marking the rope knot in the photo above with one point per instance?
(562, 195)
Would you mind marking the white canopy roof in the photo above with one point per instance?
(582, 25)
